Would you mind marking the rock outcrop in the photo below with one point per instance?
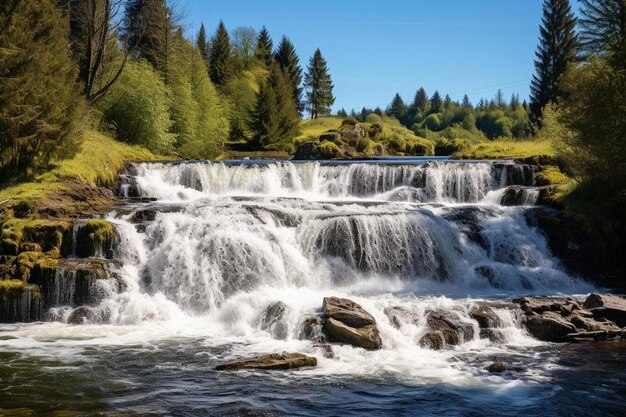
(445, 329)
(347, 322)
(276, 361)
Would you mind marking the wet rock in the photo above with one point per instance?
(312, 328)
(493, 335)
(550, 327)
(518, 196)
(398, 316)
(485, 317)
(347, 322)
(607, 306)
(19, 302)
(496, 368)
(589, 324)
(447, 327)
(82, 315)
(273, 320)
(276, 361)
(540, 305)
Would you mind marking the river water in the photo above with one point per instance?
(216, 244)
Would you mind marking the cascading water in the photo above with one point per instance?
(214, 250)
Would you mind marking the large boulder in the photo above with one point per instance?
(276, 361)
(445, 329)
(347, 322)
(486, 317)
(607, 306)
(539, 305)
(550, 327)
(308, 151)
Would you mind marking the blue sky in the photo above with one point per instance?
(377, 48)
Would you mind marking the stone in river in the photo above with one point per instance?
(276, 361)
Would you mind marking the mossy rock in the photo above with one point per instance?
(329, 150)
(95, 238)
(551, 175)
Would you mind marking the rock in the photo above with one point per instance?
(398, 316)
(308, 151)
(515, 196)
(273, 320)
(330, 137)
(496, 368)
(449, 326)
(540, 305)
(347, 311)
(366, 337)
(493, 335)
(82, 315)
(550, 327)
(276, 361)
(591, 325)
(486, 317)
(312, 328)
(607, 306)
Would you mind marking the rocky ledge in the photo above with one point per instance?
(276, 361)
(599, 317)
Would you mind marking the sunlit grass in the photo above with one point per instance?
(506, 149)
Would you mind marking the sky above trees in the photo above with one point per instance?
(376, 48)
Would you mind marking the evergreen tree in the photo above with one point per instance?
(220, 63)
(447, 101)
(202, 44)
(319, 85)
(466, 104)
(525, 105)
(264, 47)
(288, 60)
(397, 108)
(275, 120)
(342, 113)
(557, 47)
(420, 102)
(39, 94)
(436, 103)
(602, 26)
(514, 103)
(499, 98)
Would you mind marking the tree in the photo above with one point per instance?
(499, 98)
(220, 64)
(603, 27)
(149, 26)
(420, 102)
(93, 26)
(244, 39)
(447, 101)
(288, 60)
(436, 103)
(275, 120)
(557, 47)
(466, 104)
(319, 85)
(202, 44)
(514, 103)
(342, 113)
(39, 94)
(264, 47)
(397, 108)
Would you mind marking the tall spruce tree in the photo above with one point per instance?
(288, 60)
(466, 102)
(436, 103)
(420, 102)
(264, 47)
(397, 108)
(603, 28)
(39, 93)
(319, 86)
(220, 59)
(447, 101)
(557, 47)
(275, 120)
(202, 44)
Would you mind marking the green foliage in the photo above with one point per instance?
(432, 122)
(138, 106)
(603, 28)
(202, 44)
(329, 149)
(436, 103)
(319, 86)
(220, 59)
(288, 60)
(264, 47)
(39, 96)
(397, 108)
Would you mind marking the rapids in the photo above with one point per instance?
(204, 248)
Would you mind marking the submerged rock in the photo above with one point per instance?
(446, 329)
(312, 328)
(276, 361)
(496, 368)
(347, 322)
(486, 317)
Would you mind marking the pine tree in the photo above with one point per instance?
(420, 102)
(220, 64)
(288, 60)
(436, 103)
(39, 94)
(264, 47)
(466, 102)
(342, 113)
(499, 98)
(514, 103)
(603, 28)
(319, 85)
(397, 108)
(275, 120)
(202, 44)
(557, 47)
(525, 105)
(447, 101)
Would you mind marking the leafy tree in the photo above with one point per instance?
(436, 103)
(138, 106)
(288, 60)
(557, 47)
(220, 59)
(397, 108)
(275, 120)
(603, 27)
(264, 47)
(39, 95)
(319, 85)
(202, 44)
(243, 45)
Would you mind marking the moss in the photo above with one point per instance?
(11, 288)
(551, 175)
(329, 149)
(94, 237)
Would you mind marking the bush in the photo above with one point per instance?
(432, 122)
(350, 121)
(446, 147)
(373, 118)
(137, 106)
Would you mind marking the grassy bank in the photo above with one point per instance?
(507, 149)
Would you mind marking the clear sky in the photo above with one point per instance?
(377, 48)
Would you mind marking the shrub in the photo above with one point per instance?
(432, 122)
(350, 121)
(373, 118)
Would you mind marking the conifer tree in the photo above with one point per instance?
(275, 120)
(288, 60)
(466, 102)
(499, 98)
(319, 85)
(420, 102)
(202, 44)
(397, 108)
(342, 113)
(447, 101)
(557, 47)
(603, 28)
(39, 93)
(264, 47)
(436, 103)
(220, 63)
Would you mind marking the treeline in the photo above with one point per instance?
(436, 117)
(130, 70)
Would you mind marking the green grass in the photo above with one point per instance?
(315, 127)
(507, 149)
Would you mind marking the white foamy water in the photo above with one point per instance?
(230, 240)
